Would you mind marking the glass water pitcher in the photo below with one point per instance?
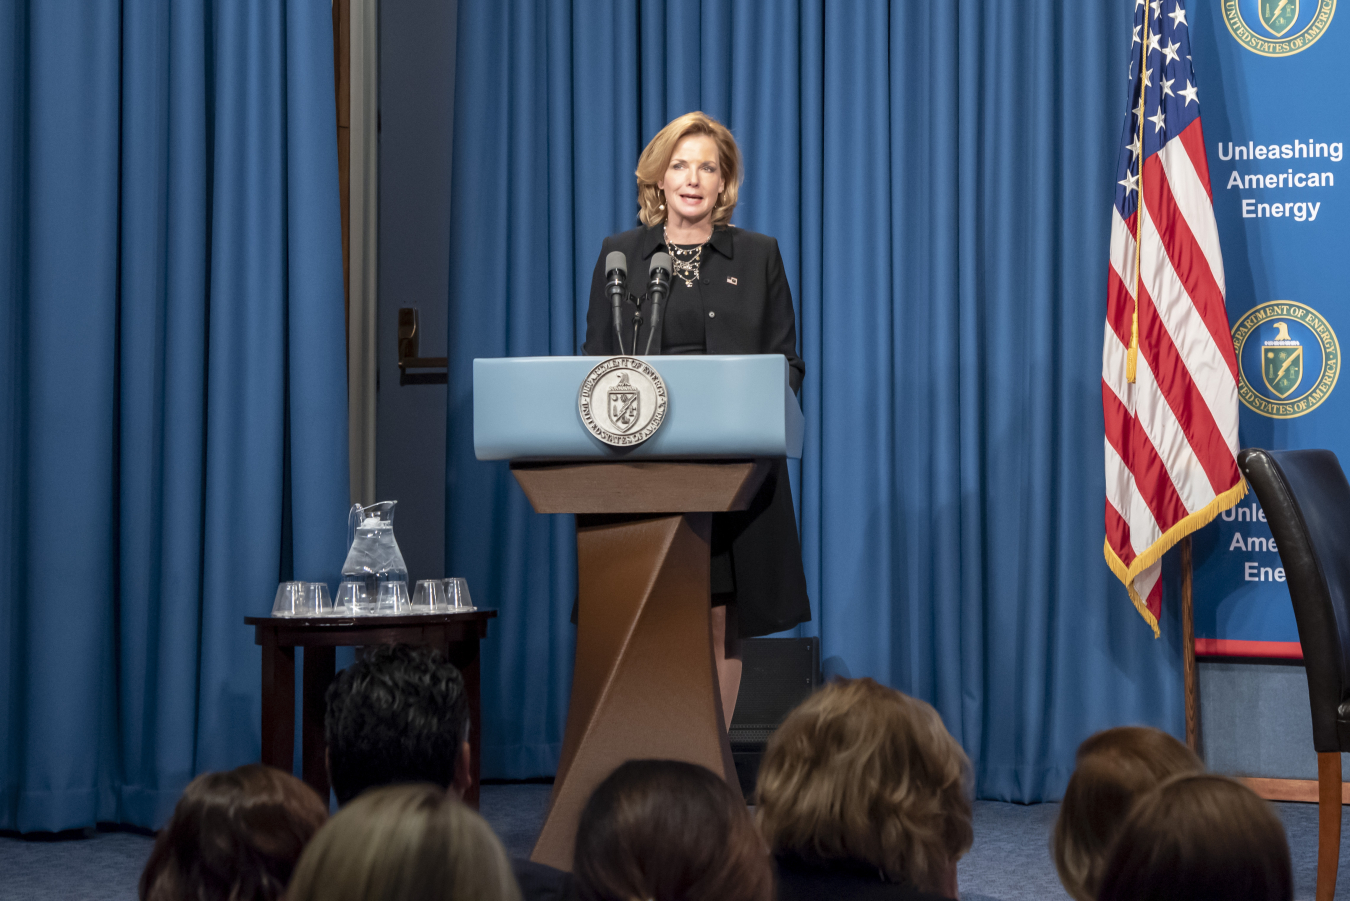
(374, 578)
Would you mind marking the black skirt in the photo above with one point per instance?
(757, 560)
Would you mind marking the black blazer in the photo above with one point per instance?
(748, 309)
(746, 298)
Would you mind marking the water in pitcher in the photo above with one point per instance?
(374, 578)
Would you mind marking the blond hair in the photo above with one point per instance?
(861, 772)
(655, 160)
(1114, 768)
(414, 842)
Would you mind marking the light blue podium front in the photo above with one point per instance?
(525, 408)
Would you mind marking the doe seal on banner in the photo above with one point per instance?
(1277, 27)
(622, 401)
(1288, 359)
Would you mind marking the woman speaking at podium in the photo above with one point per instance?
(728, 295)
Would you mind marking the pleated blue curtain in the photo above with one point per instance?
(172, 385)
(938, 176)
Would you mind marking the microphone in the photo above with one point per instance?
(637, 319)
(658, 286)
(616, 286)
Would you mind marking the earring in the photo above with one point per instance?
(663, 201)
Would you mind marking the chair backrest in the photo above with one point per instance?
(1306, 499)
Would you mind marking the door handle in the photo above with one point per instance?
(434, 370)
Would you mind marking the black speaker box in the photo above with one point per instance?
(777, 674)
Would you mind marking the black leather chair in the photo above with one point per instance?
(1306, 499)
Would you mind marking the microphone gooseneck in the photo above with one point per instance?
(637, 321)
(616, 286)
(658, 286)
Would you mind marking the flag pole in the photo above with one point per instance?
(1189, 673)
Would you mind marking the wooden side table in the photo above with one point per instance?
(456, 634)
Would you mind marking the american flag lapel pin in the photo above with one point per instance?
(730, 280)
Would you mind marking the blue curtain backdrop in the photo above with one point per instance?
(939, 178)
(172, 385)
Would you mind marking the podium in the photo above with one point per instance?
(644, 683)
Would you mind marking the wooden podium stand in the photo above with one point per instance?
(644, 683)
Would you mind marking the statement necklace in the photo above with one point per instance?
(685, 260)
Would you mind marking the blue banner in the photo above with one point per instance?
(1271, 75)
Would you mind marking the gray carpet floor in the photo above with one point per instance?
(1009, 862)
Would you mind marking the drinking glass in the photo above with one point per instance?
(352, 600)
(302, 599)
(289, 600)
(429, 596)
(392, 599)
(315, 600)
(457, 595)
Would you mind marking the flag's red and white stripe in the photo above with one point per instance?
(1172, 433)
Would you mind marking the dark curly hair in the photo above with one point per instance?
(234, 836)
(398, 714)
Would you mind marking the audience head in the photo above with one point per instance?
(1199, 837)
(412, 842)
(233, 836)
(398, 714)
(1114, 768)
(863, 774)
(669, 831)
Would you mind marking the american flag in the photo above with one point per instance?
(1169, 374)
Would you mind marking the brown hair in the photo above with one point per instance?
(233, 836)
(414, 842)
(655, 160)
(861, 772)
(1199, 837)
(1114, 768)
(669, 831)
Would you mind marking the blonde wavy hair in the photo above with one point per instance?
(655, 160)
(863, 773)
(415, 842)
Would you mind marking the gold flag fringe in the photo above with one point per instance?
(1200, 518)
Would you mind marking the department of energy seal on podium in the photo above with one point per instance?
(622, 401)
